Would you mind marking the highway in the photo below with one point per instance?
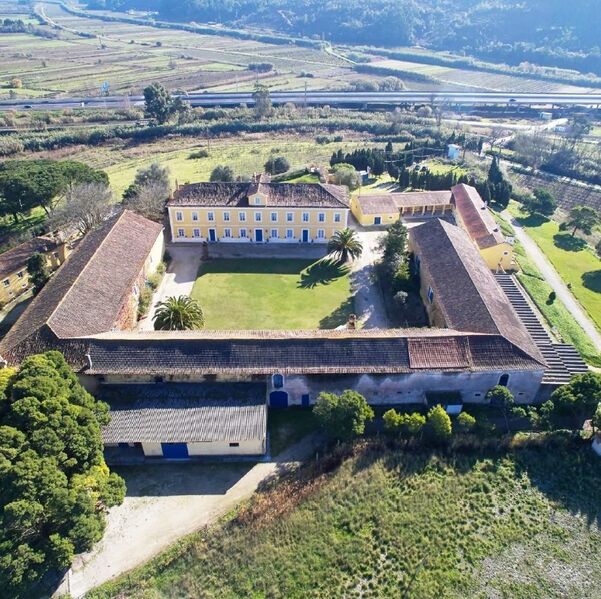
(315, 98)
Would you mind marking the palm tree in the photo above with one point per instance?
(178, 314)
(346, 244)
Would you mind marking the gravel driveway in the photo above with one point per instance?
(178, 280)
(167, 501)
(369, 305)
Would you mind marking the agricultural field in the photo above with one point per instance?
(393, 523)
(273, 294)
(468, 80)
(87, 52)
(130, 56)
(567, 193)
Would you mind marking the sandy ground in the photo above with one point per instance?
(165, 502)
(554, 279)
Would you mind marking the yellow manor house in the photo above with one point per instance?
(258, 211)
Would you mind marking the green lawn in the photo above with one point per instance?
(412, 524)
(273, 294)
(572, 258)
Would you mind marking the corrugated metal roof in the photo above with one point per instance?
(152, 420)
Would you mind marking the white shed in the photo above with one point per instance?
(183, 428)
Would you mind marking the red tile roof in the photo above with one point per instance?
(465, 290)
(285, 195)
(475, 217)
(88, 291)
(392, 202)
(16, 259)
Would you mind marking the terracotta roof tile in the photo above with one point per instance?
(16, 259)
(87, 293)
(392, 202)
(465, 290)
(476, 217)
(285, 195)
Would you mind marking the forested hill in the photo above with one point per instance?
(546, 32)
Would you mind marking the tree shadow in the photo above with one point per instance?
(339, 316)
(322, 272)
(592, 280)
(565, 241)
(532, 220)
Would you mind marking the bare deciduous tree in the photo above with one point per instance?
(84, 206)
(149, 200)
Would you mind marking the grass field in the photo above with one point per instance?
(245, 156)
(273, 294)
(392, 524)
(571, 257)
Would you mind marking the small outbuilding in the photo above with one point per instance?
(180, 428)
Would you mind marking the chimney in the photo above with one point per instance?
(89, 359)
(351, 324)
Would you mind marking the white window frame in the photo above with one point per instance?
(305, 217)
(271, 234)
(337, 217)
(20, 274)
(289, 217)
(242, 217)
(226, 216)
(179, 216)
(181, 233)
(243, 233)
(6, 282)
(258, 217)
(289, 233)
(210, 216)
(274, 217)
(196, 233)
(195, 216)
(321, 233)
(321, 217)
(257, 201)
(227, 232)
(430, 294)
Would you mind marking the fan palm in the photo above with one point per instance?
(178, 314)
(345, 244)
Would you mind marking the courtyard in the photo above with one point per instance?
(293, 293)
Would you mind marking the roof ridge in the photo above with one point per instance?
(485, 303)
(86, 266)
(328, 191)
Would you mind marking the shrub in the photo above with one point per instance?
(465, 422)
(198, 154)
(222, 173)
(439, 425)
(343, 416)
(144, 301)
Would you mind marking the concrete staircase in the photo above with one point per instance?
(562, 359)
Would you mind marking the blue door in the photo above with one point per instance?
(212, 235)
(305, 400)
(305, 235)
(175, 451)
(258, 235)
(377, 220)
(278, 399)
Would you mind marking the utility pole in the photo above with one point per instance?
(305, 95)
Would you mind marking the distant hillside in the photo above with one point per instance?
(546, 32)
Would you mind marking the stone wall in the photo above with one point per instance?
(412, 387)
